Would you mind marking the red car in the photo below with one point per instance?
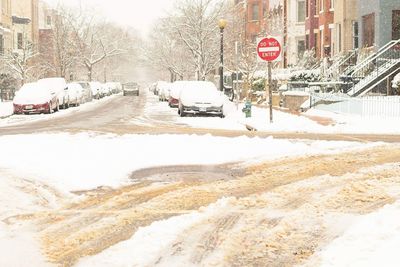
(32, 99)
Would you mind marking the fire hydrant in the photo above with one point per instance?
(247, 109)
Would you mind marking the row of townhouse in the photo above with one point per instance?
(330, 27)
(24, 22)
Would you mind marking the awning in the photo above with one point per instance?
(20, 20)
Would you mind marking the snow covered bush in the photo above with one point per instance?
(306, 75)
(396, 81)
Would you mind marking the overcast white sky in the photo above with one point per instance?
(137, 13)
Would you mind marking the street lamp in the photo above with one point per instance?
(221, 24)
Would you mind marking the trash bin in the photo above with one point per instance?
(247, 109)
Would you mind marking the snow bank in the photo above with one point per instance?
(373, 241)
(396, 81)
(345, 123)
(6, 109)
(19, 248)
(23, 119)
(86, 161)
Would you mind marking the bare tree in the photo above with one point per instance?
(165, 51)
(195, 23)
(20, 62)
(236, 15)
(94, 40)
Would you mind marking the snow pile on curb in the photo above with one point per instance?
(376, 236)
(88, 160)
(6, 109)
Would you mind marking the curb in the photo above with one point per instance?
(5, 117)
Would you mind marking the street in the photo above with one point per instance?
(278, 209)
(127, 115)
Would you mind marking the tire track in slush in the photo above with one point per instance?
(107, 217)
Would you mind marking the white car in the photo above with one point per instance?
(175, 91)
(201, 97)
(75, 92)
(87, 94)
(96, 89)
(164, 91)
(57, 86)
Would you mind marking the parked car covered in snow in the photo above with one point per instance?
(201, 97)
(114, 87)
(87, 94)
(175, 91)
(105, 90)
(75, 93)
(96, 88)
(32, 98)
(57, 86)
(130, 88)
(164, 91)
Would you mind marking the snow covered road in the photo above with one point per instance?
(284, 205)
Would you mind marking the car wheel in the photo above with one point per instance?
(50, 109)
(181, 112)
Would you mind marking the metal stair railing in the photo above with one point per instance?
(371, 57)
(350, 69)
(374, 69)
(336, 69)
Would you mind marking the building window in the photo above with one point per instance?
(19, 41)
(368, 26)
(48, 20)
(395, 24)
(301, 11)
(1, 44)
(301, 47)
(253, 38)
(321, 42)
(314, 4)
(332, 4)
(315, 42)
(307, 9)
(355, 34)
(307, 41)
(254, 10)
(321, 6)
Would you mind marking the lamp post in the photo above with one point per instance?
(221, 24)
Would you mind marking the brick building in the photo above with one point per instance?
(253, 13)
(311, 25)
(325, 43)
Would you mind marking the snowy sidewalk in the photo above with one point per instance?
(6, 109)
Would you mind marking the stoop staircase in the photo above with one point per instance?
(374, 69)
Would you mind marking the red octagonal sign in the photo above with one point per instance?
(269, 49)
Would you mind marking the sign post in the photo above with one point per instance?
(269, 49)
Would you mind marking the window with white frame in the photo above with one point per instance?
(301, 10)
(20, 41)
(255, 12)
